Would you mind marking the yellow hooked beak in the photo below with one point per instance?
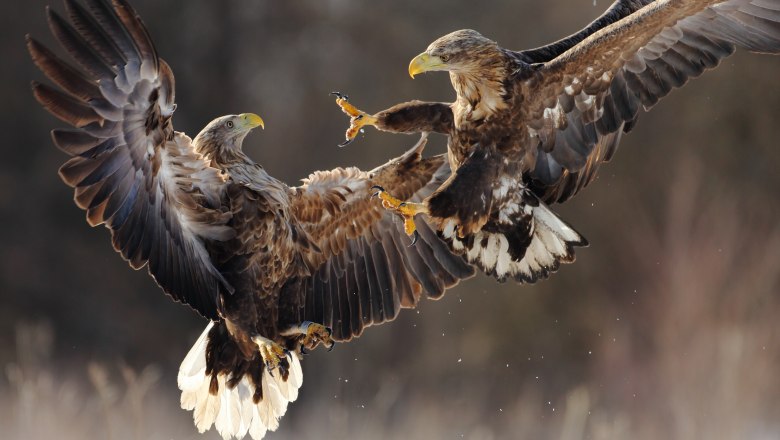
(251, 121)
(424, 63)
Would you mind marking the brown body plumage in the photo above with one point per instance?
(532, 127)
(274, 267)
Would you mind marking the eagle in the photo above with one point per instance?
(277, 270)
(532, 128)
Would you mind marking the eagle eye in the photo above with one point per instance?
(229, 124)
(445, 58)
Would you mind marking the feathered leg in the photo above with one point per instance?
(408, 117)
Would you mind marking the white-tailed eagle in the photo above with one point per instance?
(274, 268)
(532, 127)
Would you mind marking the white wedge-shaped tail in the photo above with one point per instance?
(233, 411)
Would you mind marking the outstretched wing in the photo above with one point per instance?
(618, 10)
(584, 99)
(366, 271)
(130, 170)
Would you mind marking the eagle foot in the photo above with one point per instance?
(358, 118)
(407, 210)
(313, 335)
(274, 356)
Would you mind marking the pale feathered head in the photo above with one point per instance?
(464, 51)
(226, 133)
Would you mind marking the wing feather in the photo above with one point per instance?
(618, 10)
(629, 61)
(372, 272)
(130, 170)
(93, 34)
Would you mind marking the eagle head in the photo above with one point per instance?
(226, 134)
(462, 52)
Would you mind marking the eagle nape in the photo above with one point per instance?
(407, 211)
(358, 118)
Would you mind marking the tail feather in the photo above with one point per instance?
(233, 410)
(193, 367)
(527, 245)
(206, 407)
(228, 420)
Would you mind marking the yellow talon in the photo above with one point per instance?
(316, 333)
(274, 355)
(358, 118)
(406, 210)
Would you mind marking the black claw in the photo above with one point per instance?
(330, 332)
(332, 344)
(346, 142)
(340, 95)
(415, 236)
(378, 189)
(402, 204)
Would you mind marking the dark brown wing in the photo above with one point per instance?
(130, 170)
(585, 98)
(366, 270)
(618, 10)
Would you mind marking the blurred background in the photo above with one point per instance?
(666, 326)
